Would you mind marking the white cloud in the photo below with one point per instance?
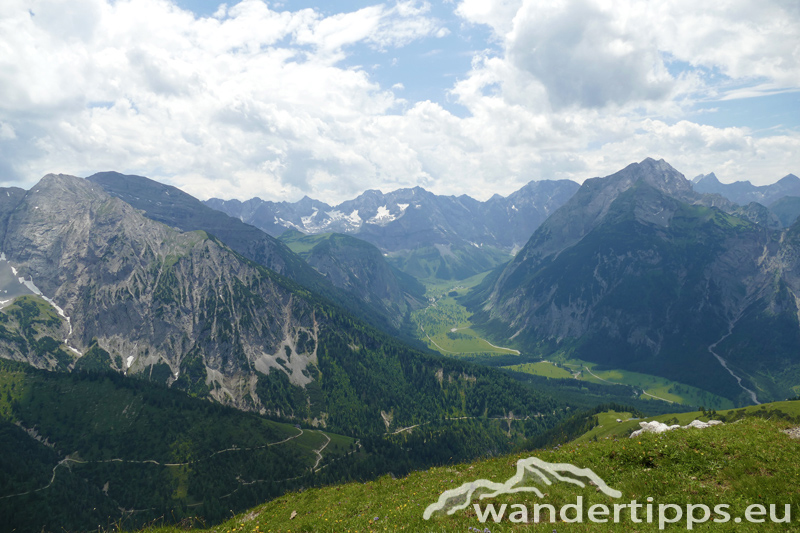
(499, 14)
(585, 55)
(254, 101)
(250, 101)
(744, 39)
(593, 53)
(587, 86)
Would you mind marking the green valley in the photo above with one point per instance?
(649, 386)
(444, 325)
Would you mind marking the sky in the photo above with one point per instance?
(327, 99)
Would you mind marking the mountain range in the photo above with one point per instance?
(173, 207)
(121, 288)
(421, 233)
(744, 192)
(638, 271)
(122, 292)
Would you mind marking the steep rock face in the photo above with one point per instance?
(424, 234)
(175, 208)
(637, 271)
(10, 197)
(171, 206)
(178, 306)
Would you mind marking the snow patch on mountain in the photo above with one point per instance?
(288, 224)
(351, 220)
(307, 221)
(384, 216)
(354, 218)
(35, 290)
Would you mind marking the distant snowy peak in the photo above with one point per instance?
(390, 220)
(384, 215)
(372, 207)
(333, 220)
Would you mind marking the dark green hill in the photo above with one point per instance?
(86, 450)
(359, 268)
(83, 450)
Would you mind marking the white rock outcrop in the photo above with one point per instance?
(660, 427)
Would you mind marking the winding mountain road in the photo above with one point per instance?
(69, 459)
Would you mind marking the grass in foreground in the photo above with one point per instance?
(609, 427)
(739, 464)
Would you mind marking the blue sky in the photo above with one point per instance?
(283, 99)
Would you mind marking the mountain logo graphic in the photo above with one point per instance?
(530, 473)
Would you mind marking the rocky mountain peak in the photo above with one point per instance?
(53, 186)
(67, 200)
(589, 206)
(658, 174)
(706, 179)
(637, 269)
(744, 192)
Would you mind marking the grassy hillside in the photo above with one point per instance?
(738, 464)
(609, 427)
(448, 261)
